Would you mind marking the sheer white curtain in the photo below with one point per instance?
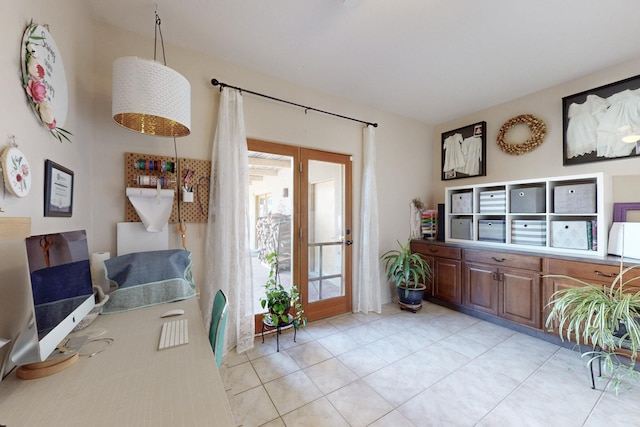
(368, 287)
(227, 255)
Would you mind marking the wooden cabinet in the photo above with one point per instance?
(429, 283)
(503, 284)
(481, 287)
(445, 261)
(520, 297)
(588, 272)
(549, 287)
(447, 284)
(515, 286)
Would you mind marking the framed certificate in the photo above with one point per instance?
(58, 190)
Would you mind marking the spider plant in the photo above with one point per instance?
(607, 318)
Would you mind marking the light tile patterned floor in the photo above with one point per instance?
(436, 367)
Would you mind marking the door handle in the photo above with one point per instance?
(347, 242)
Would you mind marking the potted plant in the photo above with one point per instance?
(409, 271)
(606, 318)
(279, 301)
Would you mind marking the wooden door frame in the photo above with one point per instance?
(294, 152)
(326, 308)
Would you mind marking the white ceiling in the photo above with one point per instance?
(432, 60)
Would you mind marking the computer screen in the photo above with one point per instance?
(62, 293)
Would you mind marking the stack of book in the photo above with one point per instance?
(429, 224)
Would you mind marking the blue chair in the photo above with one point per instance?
(218, 324)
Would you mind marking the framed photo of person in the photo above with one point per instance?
(464, 152)
(58, 190)
(602, 123)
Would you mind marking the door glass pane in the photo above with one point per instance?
(271, 212)
(326, 230)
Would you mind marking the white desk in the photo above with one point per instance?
(131, 383)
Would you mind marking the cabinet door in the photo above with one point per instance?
(429, 283)
(550, 286)
(481, 287)
(447, 285)
(520, 296)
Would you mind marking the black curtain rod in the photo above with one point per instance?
(215, 82)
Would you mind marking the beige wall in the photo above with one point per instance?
(71, 28)
(402, 144)
(96, 154)
(546, 160)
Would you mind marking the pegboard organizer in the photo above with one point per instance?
(196, 211)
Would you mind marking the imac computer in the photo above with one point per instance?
(61, 294)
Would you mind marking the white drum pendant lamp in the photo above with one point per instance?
(150, 98)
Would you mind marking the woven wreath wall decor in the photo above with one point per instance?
(538, 132)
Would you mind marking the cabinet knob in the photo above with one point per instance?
(498, 259)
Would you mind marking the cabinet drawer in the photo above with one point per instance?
(437, 250)
(588, 271)
(526, 262)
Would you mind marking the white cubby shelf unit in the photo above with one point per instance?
(489, 214)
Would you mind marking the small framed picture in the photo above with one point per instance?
(58, 190)
(464, 152)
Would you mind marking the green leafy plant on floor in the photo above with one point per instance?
(278, 300)
(606, 318)
(408, 270)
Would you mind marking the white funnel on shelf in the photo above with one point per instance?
(152, 205)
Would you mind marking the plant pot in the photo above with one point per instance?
(411, 296)
(286, 312)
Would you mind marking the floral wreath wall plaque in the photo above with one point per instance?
(44, 80)
(16, 170)
(538, 132)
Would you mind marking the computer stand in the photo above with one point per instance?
(36, 370)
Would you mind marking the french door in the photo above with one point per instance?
(301, 208)
(325, 233)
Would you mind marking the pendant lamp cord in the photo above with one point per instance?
(180, 226)
(158, 30)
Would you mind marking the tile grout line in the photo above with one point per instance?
(349, 322)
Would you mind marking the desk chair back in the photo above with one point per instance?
(218, 324)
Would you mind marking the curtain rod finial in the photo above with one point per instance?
(215, 82)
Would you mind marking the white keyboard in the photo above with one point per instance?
(174, 333)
